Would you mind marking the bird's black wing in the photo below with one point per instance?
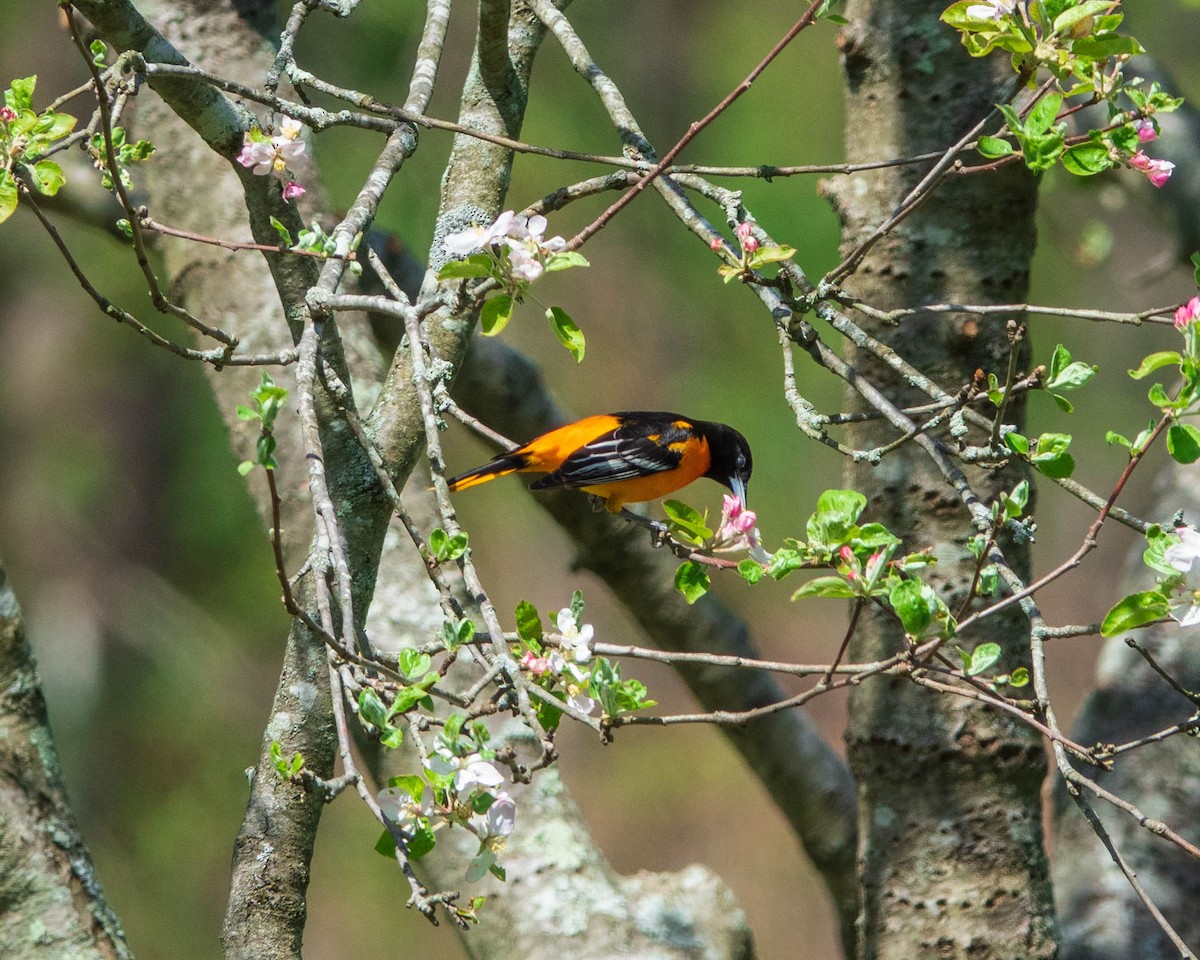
(637, 448)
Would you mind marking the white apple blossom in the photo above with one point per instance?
(1185, 557)
(576, 640)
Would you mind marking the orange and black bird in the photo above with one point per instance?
(626, 457)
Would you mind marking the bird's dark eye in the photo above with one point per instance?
(741, 461)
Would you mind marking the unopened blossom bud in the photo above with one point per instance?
(1188, 313)
(1145, 130)
(716, 244)
(8, 114)
(746, 237)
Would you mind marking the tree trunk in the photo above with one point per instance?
(951, 861)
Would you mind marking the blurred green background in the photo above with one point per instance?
(149, 590)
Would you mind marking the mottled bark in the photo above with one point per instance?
(52, 906)
(1101, 916)
(950, 841)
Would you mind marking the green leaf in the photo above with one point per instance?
(1134, 611)
(829, 587)
(19, 96)
(751, 570)
(1012, 118)
(8, 195)
(1183, 442)
(1196, 267)
(414, 664)
(837, 512)
(1019, 677)
(1154, 361)
(994, 147)
(1086, 159)
(476, 265)
(569, 335)
(495, 314)
(421, 843)
(51, 126)
(982, 657)
(1017, 443)
(371, 708)
(691, 579)
(1041, 117)
(564, 261)
(529, 625)
(784, 562)
(910, 600)
(1157, 395)
(576, 606)
(1101, 48)
(686, 522)
(47, 177)
(765, 255)
(445, 547)
(284, 234)
(875, 536)
(1068, 18)
(245, 467)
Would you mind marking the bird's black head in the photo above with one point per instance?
(731, 460)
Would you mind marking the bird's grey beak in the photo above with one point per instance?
(738, 486)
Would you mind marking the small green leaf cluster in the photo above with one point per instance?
(1183, 439)
(983, 658)
(445, 548)
(1149, 606)
(127, 153)
(287, 767)
(755, 260)
(1073, 39)
(861, 555)
(25, 136)
(377, 716)
(315, 240)
(495, 264)
(1076, 41)
(835, 535)
(268, 399)
(826, 11)
(1047, 452)
(1066, 374)
(456, 633)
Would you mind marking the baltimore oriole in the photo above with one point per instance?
(626, 457)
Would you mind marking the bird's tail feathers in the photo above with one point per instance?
(500, 467)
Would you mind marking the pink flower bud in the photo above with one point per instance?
(716, 244)
(744, 522)
(8, 114)
(1188, 313)
(1145, 130)
(746, 237)
(846, 554)
(292, 189)
(1139, 161)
